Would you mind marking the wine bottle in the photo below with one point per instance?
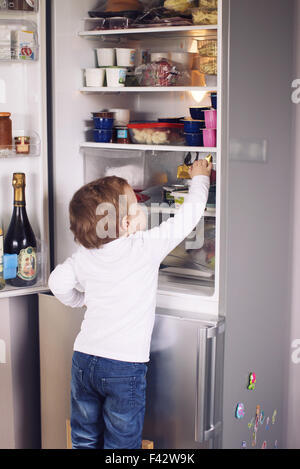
(20, 238)
(2, 281)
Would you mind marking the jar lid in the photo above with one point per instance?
(5, 114)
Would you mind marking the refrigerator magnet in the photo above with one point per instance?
(244, 444)
(240, 411)
(274, 417)
(264, 445)
(268, 423)
(252, 382)
(251, 424)
(262, 417)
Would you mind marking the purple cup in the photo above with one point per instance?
(211, 119)
(210, 138)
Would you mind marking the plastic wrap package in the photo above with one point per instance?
(181, 6)
(205, 17)
(160, 73)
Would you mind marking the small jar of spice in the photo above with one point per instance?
(123, 135)
(5, 131)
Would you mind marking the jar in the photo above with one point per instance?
(5, 130)
(123, 135)
(22, 145)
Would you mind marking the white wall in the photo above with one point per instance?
(293, 382)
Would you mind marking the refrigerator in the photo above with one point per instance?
(216, 375)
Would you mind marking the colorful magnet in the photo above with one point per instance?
(244, 444)
(268, 423)
(256, 424)
(251, 424)
(262, 417)
(252, 382)
(257, 413)
(264, 445)
(274, 417)
(254, 439)
(276, 444)
(240, 411)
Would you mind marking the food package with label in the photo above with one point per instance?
(181, 6)
(205, 16)
(23, 45)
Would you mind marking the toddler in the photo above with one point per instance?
(114, 273)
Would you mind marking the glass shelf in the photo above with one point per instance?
(14, 151)
(18, 40)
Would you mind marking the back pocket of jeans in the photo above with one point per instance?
(120, 392)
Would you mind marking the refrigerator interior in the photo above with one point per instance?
(23, 94)
(184, 273)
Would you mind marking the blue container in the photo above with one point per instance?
(214, 100)
(198, 112)
(194, 140)
(103, 123)
(193, 126)
(102, 136)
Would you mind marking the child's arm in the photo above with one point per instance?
(168, 235)
(63, 282)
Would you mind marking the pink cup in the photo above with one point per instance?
(211, 119)
(209, 137)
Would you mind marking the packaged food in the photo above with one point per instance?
(208, 65)
(181, 6)
(205, 17)
(23, 45)
(157, 133)
(122, 135)
(161, 73)
(208, 4)
(208, 48)
(119, 22)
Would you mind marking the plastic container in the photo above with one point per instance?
(108, 115)
(209, 137)
(205, 16)
(116, 77)
(126, 57)
(197, 112)
(193, 126)
(172, 120)
(119, 23)
(182, 60)
(102, 136)
(194, 140)
(106, 57)
(94, 76)
(157, 56)
(210, 119)
(103, 123)
(157, 133)
(208, 65)
(121, 116)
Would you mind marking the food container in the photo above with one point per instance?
(214, 100)
(108, 115)
(197, 112)
(194, 140)
(103, 123)
(179, 197)
(121, 116)
(22, 145)
(193, 126)
(172, 120)
(210, 119)
(106, 57)
(102, 136)
(119, 22)
(161, 73)
(157, 133)
(5, 130)
(208, 4)
(122, 134)
(183, 60)
(209, 137)
(208, 48)
(94, 76)
(116, 77)
(205, 16)
(126, 57)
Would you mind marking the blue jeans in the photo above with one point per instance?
(108, 400)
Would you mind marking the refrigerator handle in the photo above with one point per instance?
(206, 388)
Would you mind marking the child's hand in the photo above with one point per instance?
(200, 168)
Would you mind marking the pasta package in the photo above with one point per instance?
(205, 16)
(179, 5)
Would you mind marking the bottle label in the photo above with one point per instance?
(27, 264)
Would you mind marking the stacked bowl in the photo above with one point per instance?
(200, 129)
(103, 126)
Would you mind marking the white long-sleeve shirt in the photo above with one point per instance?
(119, 283)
